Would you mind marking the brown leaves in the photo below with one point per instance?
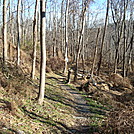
(118, 80)
(121, 120)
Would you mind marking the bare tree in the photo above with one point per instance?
(80, 38)
(4, 31)
(83, 44)
(129, 68)
(43, 50)
(103, 38)
(66, 37)
(34, 40)
(19, 31)
(95, 52)
(62, 30)
(54, 30)
(124, 34)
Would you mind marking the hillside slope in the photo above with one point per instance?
(106, 106)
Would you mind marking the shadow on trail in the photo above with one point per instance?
(60, 126)
(50, 84)
(57, 79)
(82, 109)
(77, 106)
(62, 102)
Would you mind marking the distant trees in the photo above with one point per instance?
(81, 33)
(80, 37)
(122, 33)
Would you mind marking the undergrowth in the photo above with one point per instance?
(20, 110)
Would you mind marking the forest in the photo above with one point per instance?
(66, 66)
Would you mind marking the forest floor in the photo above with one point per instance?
(65, 109)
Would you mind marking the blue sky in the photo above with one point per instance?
(97, 10)
(99, 6)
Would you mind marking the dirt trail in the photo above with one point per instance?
(82, 113)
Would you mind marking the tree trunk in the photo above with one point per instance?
(130, 52)
(80, 37)
(95, 52)
(4, 31)
(117, 43)
(55, 32)
(66, 37)
(43, 50)
(83, 50)
(19, 31)
(34, 40)
(62, 30)
(102, 44)
(124, 34)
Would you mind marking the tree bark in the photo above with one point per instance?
(19, 31)
(34, 40)
(103, 38)
(62, 30)
(124, 34)
(130, 52)
(4, 31)
(66, 37)
(43, 50)
(95, 52)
